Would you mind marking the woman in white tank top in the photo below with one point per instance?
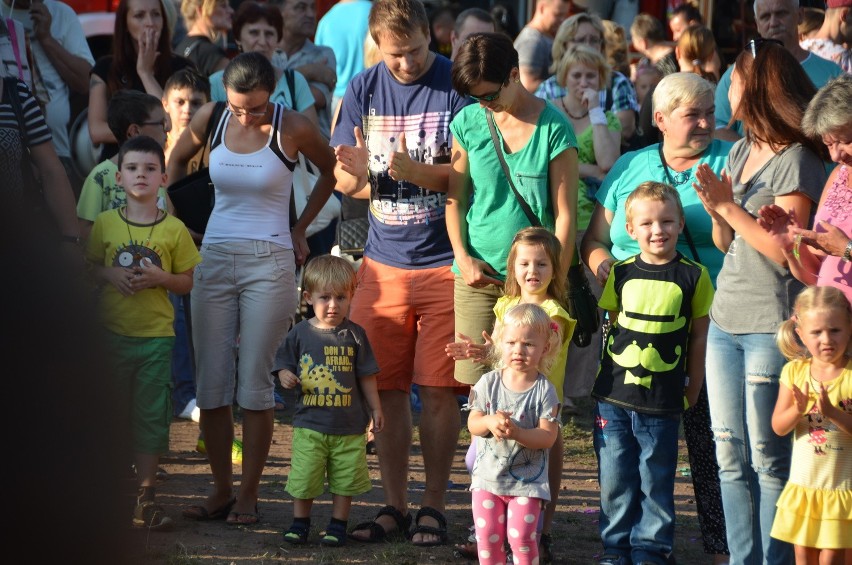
(245, 286)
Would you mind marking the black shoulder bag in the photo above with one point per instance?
(194, 195)
(580, 301)
(689, 242)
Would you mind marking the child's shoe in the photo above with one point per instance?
(149, 514)
(297, 534)
(335, 534)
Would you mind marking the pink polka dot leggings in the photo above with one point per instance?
(495, 516)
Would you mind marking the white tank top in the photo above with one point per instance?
(252, 190)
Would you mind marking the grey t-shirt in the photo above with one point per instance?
(534, 51)
(753, 293)
(506, 467)
(330, 364)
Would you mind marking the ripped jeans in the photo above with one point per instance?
(754, 463)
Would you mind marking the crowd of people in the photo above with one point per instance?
(709, 203)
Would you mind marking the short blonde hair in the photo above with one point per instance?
(677, 89)
(830, 110)
(652, 190)
(583, 55)
(528, 315)
(329, 272)
(568, 29)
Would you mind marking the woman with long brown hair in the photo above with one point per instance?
(775, 163)
(141, 59)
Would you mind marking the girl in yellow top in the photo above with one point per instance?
(814, 512)
(531, 278)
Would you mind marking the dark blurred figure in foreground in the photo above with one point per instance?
(65, 443)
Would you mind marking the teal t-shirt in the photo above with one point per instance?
(281, 94)
(636, 167)
(819, 70)
(494, 215)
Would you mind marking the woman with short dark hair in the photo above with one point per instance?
(483, 214)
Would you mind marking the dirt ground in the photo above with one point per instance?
(575, 531)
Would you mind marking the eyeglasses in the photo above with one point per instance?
(239, 112)
(591, 40)
(164, 123)
(491, 97)
(755, 44)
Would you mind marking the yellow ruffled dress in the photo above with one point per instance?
(815, 508)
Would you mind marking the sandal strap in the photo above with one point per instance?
(402, 522)
(434, 514)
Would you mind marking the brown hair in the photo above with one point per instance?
(811, 298)
(400, 18)
(552, 248)
(649, 28)
(483, 57)
(651, 190)
(776, 92)
(329, 272)
(698, 46)
(253, 12)
(124, 51)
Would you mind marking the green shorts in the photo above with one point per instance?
(143, 370)
(342, 458)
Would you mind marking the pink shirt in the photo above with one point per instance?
(837, 210)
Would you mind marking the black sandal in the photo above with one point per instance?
(440, 531)
(377, 532)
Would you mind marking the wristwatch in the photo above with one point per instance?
(847, 254)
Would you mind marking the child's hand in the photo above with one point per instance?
(826, 408)
(288, 379)
(801, 397)
(120, 278)
(499, 424)
(378, 420)
(510, 428)
(148, 275)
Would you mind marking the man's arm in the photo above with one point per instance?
(73, 69)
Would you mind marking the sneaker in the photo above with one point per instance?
(189, 410)
(612, 559)
(236, 450)
(151, 516)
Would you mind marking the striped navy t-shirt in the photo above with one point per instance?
(12, 144)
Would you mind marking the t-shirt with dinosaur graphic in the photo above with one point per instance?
(329, 363)
(643, 363)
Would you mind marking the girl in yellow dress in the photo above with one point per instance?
(814, 511)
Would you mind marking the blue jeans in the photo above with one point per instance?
(754, 463)
(637, 458)
(183, 365)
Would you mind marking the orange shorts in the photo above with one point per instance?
(408, 316)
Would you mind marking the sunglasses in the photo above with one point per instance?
(755, 44)
(239, 112)
(490, 97)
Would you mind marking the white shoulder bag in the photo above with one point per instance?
(303, 184)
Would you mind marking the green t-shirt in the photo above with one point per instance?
(494, 215)
(586, 154)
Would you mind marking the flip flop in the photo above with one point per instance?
(201, 514)
(243, 518)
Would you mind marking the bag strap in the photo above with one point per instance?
(213, 122)
(191, 47)
(13, 36)
(290, 77)
(689, 242)
(533, 219)
(10, 85)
